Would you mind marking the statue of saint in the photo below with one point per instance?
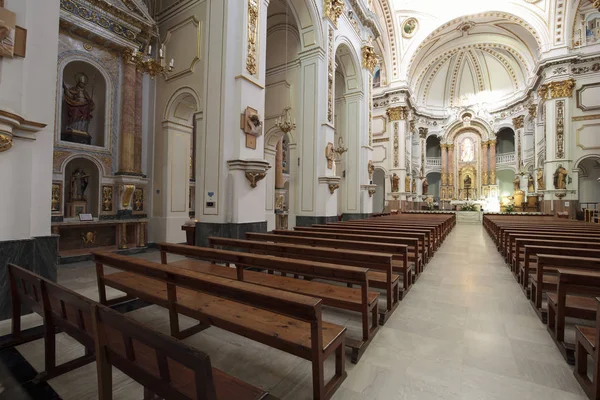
(517, 183)
(329, 155)
(395, 183)
(79, 105)
(540, 179)
(79, 182)
(467, 154)
(371, 169)
(530, 184)
(560, 177)
(425, 186)
(414, 186)
(468, 182)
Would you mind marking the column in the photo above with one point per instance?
(279, 182)
(484, 163)
(451, 171)
(444, 148)
(397, 118)
(137, 142)
(492, 177)
(128, 117)
(518, 124)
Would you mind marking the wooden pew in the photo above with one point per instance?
(424, 235)
(415, 255)
(399, 252)
(532, 249)
(438, 229)
(286, 321)
(380, 265)
(424, 247)
(548, 263)
(164, 366)
(573, 298)
(346, 298)
(433, 232)
(587, 343)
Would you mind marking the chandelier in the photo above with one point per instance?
(285, 122)
(148, 63)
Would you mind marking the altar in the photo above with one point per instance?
(489, 205)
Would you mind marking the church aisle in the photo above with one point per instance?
(465, 331)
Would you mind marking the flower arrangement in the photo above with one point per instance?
(469, 207)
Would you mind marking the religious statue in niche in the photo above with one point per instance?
(329, 155)
(468, 150)
(530, 184)
(80, 105)
(540, 179)
(414, 186)
(468, 182)
(77, 200)
(560, 177)
(425, 186)
(371, 169)
(517, 183)
(406, 183)
(395, 183)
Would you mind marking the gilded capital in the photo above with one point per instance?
(518, 121)
(423, 132)
(532, 110)
(333, 10)
(369, 58)
(397, 113)
(554, 90)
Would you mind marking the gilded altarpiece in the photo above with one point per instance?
(467, 166)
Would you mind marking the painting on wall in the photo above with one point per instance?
(592, 28)
(7, 33)
(377, 77)
(409, 27)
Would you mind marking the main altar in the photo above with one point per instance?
(469, 165)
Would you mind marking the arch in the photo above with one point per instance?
(308, 20)
(274, 134)
(99, 165)
(349, 61)
(457, 128)
(110, 101)
(93, 189)
(379, 179)
(581, 159)
(182, 106)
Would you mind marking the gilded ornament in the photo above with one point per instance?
(518, 121)
(330, 77)
(369, 58)
(254, 177)
(5, 143)
(555, 90)
(107, 198)
(397, 113)
(333, 187)
(423, 132)
(533, 110)
(56, 197)
(251, 58)
(138, 200)
(396, 145)
(126, 193)
(88, 238)
(372, 191)
(333, 10)
(560, 129)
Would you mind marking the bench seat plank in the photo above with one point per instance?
(222, 312)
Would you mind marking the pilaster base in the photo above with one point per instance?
(305, 220)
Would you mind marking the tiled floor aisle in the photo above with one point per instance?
(465, 331)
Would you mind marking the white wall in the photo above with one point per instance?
(27, 88)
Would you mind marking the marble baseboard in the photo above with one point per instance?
(303, 220)
(38, 254)
(350, 217)
(235, 231)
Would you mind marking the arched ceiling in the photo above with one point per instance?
(488, 58)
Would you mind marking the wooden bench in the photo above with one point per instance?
(587, 343)
(399, 252)
(574, 299)
(437, 230)
(433, 233)
(286, 321)
(529, 267)
(346, 298)
(415, 251)
(565, 237)
(364, 234)
(164, 366)
(549, 264)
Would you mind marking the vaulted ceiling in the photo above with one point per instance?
(487, 58)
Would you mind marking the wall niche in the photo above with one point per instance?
(83, 101)
(81, 187)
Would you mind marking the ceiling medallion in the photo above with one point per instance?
(410, 27)
(465, 27)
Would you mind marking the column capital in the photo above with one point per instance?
(423, 132)
(518, 121)
(397, 113)
(558, 89)
(333, 10)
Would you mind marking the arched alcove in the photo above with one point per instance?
(589, 179)
(379, 196)
(505, 141)
(81, 171)
(84, 104)
(433, 147)
(434, 179)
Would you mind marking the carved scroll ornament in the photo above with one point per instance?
(369, 58)
(555, 90)
(254, 177)
(333, 10)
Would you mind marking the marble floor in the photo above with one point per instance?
(465, 331)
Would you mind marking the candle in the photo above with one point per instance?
(149, 49)
(160, 53)
(172, 63)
